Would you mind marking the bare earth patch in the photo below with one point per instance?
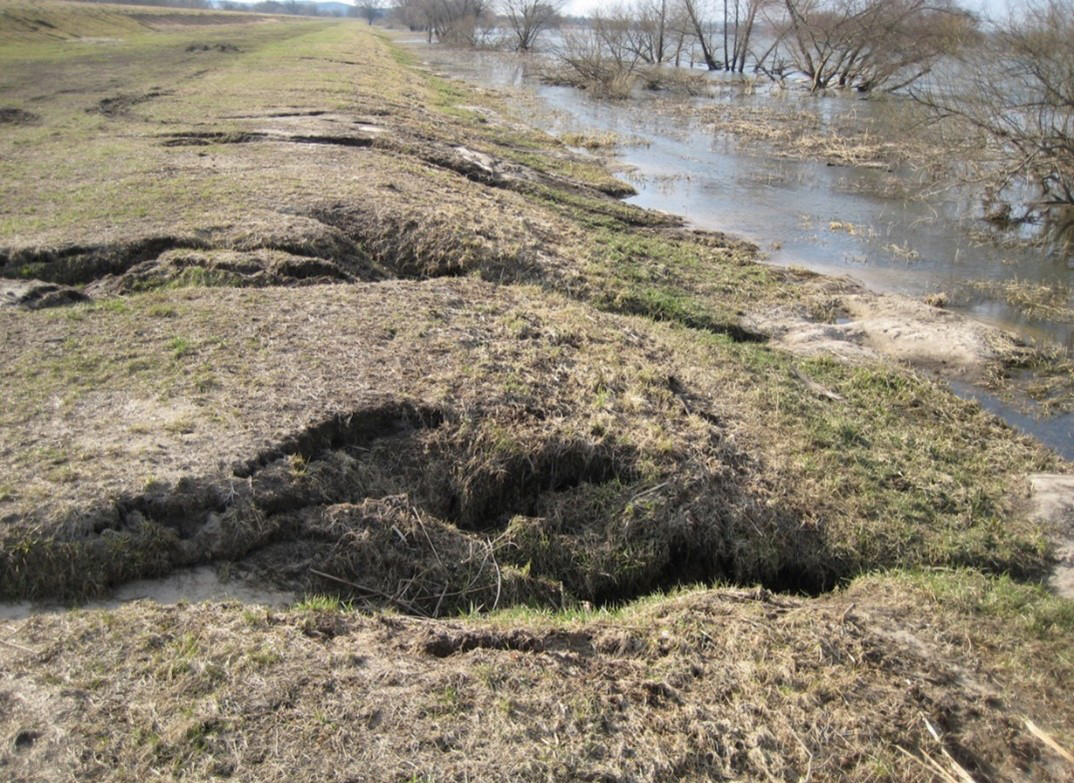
(867, 327)
(1053, 502)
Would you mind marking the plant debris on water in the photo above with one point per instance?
(571, 490)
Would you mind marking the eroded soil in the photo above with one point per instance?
(307, 313)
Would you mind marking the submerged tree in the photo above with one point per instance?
(599, 57)
(740, 19)
(527, 19)
(1012, 97)
(645, 31)
(720, 29)
(698, 14)
(868, 45)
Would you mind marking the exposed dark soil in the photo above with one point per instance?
(490, 421)
(212, 47)
(296, 250)
(120, 105)
(12, 116)
(547, 491)
(34, 294)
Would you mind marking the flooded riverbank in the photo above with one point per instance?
(833, 219)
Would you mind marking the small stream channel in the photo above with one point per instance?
(836, 220)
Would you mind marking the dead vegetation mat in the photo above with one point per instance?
(721, 684)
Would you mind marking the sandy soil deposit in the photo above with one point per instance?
(566, 496)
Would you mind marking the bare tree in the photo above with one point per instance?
(649, 31)
(413, 14)
(741, 24)
(529, 18)
(699, 17)
(659, 29)
(367, 9)
(869, 45)
(598, 57)
(1011, 97)
(459, 22)
(738, 20)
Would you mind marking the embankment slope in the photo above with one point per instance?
(281, 299)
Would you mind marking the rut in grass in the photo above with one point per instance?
(338, 242)
(410, 506)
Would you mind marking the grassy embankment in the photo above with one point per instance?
(349, 318)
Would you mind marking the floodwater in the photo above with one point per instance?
(836, 220)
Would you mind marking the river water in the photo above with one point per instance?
(836, 220)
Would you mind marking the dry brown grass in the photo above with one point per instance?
(1036, 300)
(877, 136)
(608, 455)
(730, 684)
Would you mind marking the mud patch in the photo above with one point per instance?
(120, 105)
(338, 141)
(310, 113)
(80, 264)
(286, 250)
(205, 138)
(184, 585)
(255, 268)
(872, 327)
(26, 739)
(451, 641)
(13, 116)
(218, 47)
(38, 295)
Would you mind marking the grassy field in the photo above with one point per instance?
(276, 297)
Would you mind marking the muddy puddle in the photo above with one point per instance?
(832, 219)
(188, 585)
